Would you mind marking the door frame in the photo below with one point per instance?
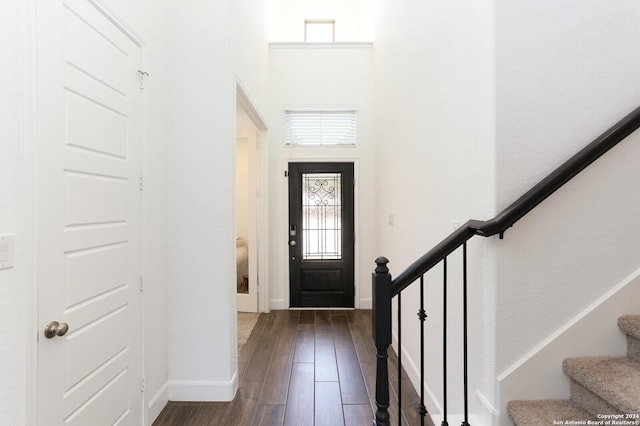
(29, 126)
(262, 206)
(254, 181)
(356, 221)
(29, 130)
(346, 263)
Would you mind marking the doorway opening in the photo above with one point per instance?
(251, 284)
(247, 276)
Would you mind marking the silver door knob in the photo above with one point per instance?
(54, 328)
(292, 243)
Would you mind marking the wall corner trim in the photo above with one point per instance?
(157, 403)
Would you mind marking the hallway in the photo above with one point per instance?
(301, 368)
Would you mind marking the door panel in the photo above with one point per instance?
(94, 127)
(88, 217)
(321, 243)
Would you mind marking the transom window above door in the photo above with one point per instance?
(315, 127)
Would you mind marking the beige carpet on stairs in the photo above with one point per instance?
(604, 390)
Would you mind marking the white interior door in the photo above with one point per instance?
(88, 217)
(248, 174)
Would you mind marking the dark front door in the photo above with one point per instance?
(321, 235)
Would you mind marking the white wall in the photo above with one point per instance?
(518, 88)
(207, 54)
(252, 22)
(559, 87)
(16, 341)
(434, 127)
(325, 76)
(564, 74)
(201, 211)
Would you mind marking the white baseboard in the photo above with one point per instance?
(489, 414)
(281, 304)
(365, 304)
(539, 375)
(157, 403)
(485, 409)
(278, 304)
(188, 390)
(431, 402)
(455, 419)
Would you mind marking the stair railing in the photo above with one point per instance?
(384, 287)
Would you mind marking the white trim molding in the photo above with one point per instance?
(366, 304)
(113, 17)
(157, 403)
(250, 108)
(538, 374)
(333, 45)
(278, 304)
(201, 390)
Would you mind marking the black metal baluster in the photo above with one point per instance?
(464, 326)
(381, 324)
(423, 316)
(399, 358)
(444, 343)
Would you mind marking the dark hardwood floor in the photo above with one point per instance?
(303, 368)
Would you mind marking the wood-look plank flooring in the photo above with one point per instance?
(303, 368)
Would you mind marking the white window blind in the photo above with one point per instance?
(320, 127)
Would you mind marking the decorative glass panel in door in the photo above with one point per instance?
(322, 216)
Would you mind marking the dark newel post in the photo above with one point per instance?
(381, 281)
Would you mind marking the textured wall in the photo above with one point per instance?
(435, 166)
(15, 283)
(564, 74)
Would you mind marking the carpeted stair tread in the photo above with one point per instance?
(545, 412)
(615, 380)
(630, 324)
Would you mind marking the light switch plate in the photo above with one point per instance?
(6, 251)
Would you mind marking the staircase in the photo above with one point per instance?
(599, 387)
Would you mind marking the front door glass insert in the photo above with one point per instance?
(322, 216)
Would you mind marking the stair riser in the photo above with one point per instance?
(589, 401)
(633, 348)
